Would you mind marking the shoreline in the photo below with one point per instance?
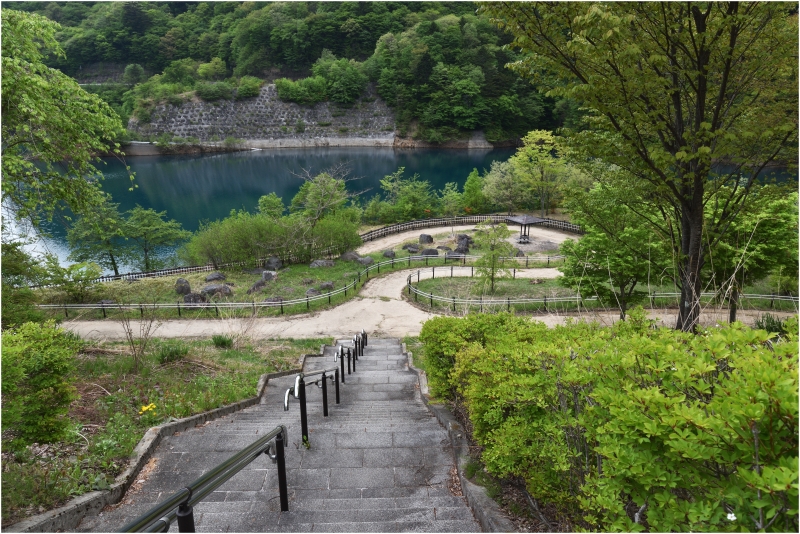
(476, 142)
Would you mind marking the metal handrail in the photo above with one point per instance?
(180, 504)
(298, 390)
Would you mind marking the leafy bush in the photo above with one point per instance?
(172, 351)
(211, 91)
(249, 86)
(76, 280)
(691, 431)
(38, 360)
(222, 342)
(307, 91)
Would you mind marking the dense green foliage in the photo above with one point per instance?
(38, 361)
(319, 224)
(448, 75)
(668, 101)
(52, 129)
(438, 64)
(631, 427)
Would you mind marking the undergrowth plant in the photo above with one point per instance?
(631, 428)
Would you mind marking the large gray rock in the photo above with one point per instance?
(389, 254)
(217, 289)
(464, 237)
(322, 263)
(215, 277)
(273, 263)
(425, 239)
(266, 276)
(430, 252)
(350, 256)
(462, 248)
(194, 298)
(182, 286)
(313, 292)
(412, 249)
(518, 253)
(258, 286)
(327, 286)
(366, 260)
(274, 299)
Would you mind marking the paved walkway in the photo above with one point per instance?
(379, 463)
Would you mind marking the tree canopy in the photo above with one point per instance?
(674, 88)
(52, 129)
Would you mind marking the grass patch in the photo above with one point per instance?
(222, 342)
(180, 378)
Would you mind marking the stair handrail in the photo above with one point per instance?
(180, 504)
(298, 390)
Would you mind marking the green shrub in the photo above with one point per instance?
(693, 430)
(38, 360)
(249, 86)
(211, 91)
(307, 91)
(770, 323)
(222, 342)
(172, 351)
(300, 126)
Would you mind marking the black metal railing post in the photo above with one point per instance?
(348, 360)
(324, 395)
(303, 413)
(364, 335)
(337, 386)
(281, 460)
(186, 515)
(341, 361)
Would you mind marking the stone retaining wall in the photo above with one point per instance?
(274, 123)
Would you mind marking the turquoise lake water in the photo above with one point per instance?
(195, 188)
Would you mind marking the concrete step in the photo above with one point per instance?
(380, 462)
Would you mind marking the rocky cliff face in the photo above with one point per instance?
(266, 121)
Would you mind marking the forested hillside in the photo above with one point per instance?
(440, 65)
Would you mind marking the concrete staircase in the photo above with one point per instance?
(379, 463)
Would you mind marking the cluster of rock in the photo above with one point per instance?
(182, 287)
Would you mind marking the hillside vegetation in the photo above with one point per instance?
(438, 64)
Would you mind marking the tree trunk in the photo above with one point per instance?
(114, 264)
(734, 301)
(691, 262)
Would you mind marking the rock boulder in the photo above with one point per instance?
(389, 254)
(322, 263)
(258, 286)
(425, 239)
(366, 260)
(350, 256)
(313, 292)
(217, 289)
(266, 276)
(215, 277)
(430, 252)
(182, 286)
(273, 263)
(194, 298)
(326, 286)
